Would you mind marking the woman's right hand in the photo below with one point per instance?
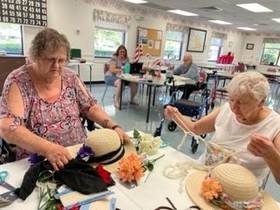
(170, 112)
(57, 155)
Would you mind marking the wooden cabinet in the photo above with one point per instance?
(8, 64)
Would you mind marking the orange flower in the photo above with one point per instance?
(130, 168)
(211, 188)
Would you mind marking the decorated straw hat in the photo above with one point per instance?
(107, 148)
(235, 186)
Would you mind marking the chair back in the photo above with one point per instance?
(106, 67)
(202, 76)
(240, 67)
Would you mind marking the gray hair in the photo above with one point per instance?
(48, 40)
(250, 82)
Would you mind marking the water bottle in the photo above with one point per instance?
(127, 68)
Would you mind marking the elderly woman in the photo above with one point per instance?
(242, 125)
(43, 100)
(117, 64)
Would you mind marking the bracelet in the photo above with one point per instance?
(115, 126)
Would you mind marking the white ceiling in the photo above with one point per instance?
(238, 16)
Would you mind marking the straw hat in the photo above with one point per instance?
(237, 182)
(107, 148)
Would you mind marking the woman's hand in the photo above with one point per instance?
(261, 146)
(123, 136)
(170, 112)
(57, 155)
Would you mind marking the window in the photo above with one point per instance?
(270, 55)
(215, 49)
(11, 38)
(173, 45)
(106, 42)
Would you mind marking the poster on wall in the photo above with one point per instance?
(26, 12)
(196, 40)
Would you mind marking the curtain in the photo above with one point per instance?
(219, 35)
(177, 28)
(271, 40)
(112, 20)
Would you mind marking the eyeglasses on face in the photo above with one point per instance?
(52, 61)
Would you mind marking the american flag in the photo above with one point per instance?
(138, 53)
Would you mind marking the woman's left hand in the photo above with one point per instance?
(261, 146)
(123, 136)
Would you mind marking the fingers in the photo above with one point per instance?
(58, 156)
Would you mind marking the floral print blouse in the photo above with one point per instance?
(58, 122)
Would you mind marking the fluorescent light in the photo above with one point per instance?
(136, 1)
(220, 22)
(254, 7)
(247, 28)
(181, 12)
(276, 19)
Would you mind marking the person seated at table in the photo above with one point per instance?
(42, 103)
(117, 63)
(243, 125)
(189, 70)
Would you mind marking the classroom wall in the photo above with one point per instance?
(74, 18)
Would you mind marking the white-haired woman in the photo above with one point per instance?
(243, 127)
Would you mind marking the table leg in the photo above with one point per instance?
(154, 95)
(149, 102)
(90, 69)
(122, 84)
(79, 70)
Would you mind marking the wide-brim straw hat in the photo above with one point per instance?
(193, 188)
(107, 148)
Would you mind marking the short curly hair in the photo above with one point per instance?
(48, 39)
(250, 82)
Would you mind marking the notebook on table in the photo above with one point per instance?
(135, 68)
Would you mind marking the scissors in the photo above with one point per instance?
(3, 175)
(173, 206)
(3, 183)
(7, 197)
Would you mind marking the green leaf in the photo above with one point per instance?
(136, 134)
(150, 166)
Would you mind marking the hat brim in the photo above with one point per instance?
(193, 184)
(128, 147)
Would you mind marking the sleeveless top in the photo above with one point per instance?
(235, 136)
(119, 64)
(59, 121)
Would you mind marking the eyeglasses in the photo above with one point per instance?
(52, 61)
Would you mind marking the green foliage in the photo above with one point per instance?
(136, 134)
(11, 48)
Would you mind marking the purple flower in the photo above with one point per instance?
(35, 158)
(85, 151)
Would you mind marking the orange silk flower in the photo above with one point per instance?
(211, 188)
(131, 168)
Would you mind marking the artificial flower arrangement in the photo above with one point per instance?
(48, 188)
(132, 167)
(212, 191)
(146, 143)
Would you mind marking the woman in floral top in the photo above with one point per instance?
(42, 103)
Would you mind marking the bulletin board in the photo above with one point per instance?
(150, 39)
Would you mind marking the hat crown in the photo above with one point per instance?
(102, 141)
(237, 182)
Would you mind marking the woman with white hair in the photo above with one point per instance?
(245, 130)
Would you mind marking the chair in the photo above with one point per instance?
(106, 68)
